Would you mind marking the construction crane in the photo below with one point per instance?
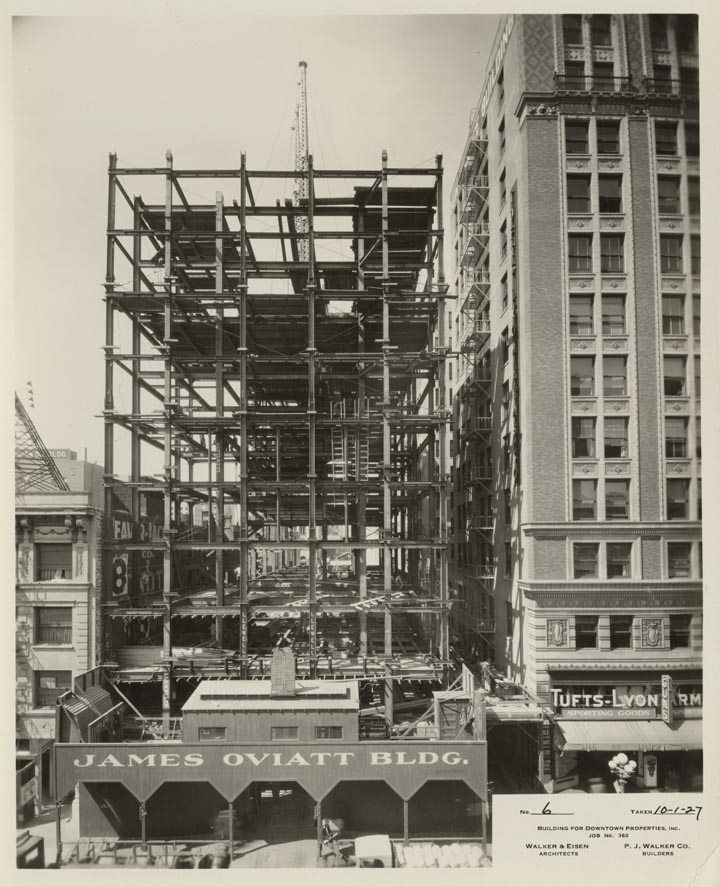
(35, 468)
(300, 191)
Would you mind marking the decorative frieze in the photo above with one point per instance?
(615, 283)
(614, 223)
(576, 163)
(582, 344)
(617, 468)
(615, 345)
(584, 407)
(617, 407)
(584, 469)
(673, 283)
(679, 406)
(673, 344)
(581, 284)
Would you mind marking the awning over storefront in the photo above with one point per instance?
(629, 735)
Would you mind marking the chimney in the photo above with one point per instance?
(282, 672)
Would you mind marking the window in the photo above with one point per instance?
(610, 194)
(618, 559)
(585, 560)
(621, 632)
(666, 138)
(501, 86)
(613, 315)
(617, 499)
(604, 76)
(586, 632)
(671, 261)
(693, 195)
(53, 625)
(674, 381)
(692, 140)
(508, 560)
(504, 291)
(658, 31)
(679, 630)
(676, 437)
(575, 75)
(508, 619)
(696, 316)
(686, 33)
(328, 733)
(668, 194)
(503, 239)
(584, 499)
(579, 252)
(699, 498)
(600, 30)
(673, 315)
(576, 136)
(616, 437)
(612, 253)
(572, 30)
(689, 81)
(695, 253)
(501, 136)
(505, 346)
(578, 194)
(503, 189)
(211, 734)
(698, 437)
(608, 136)
(698, 375)
(582, 376)
(507, 503)
(505, 403)
(678, 498)
(583, 438)
(581, 315)
(614, 376)
(679, 559)
(662, 75)
(49, 685)
(283, 733)
(54, 561)
(507, 453)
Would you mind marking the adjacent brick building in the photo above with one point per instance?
(577, 555)
(58, 521)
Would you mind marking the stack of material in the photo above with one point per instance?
(426, 854)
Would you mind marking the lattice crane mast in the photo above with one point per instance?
(300, 191)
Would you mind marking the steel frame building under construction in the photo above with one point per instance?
(287, 359)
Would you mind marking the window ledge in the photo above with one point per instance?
(70, 646)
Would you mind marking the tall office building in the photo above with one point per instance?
(577, 558)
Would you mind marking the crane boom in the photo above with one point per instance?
(300, 191)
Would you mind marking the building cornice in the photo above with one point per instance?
(614, 528)
(625, 665)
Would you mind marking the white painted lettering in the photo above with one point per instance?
(88, 762)
(379, 757)
(232, 759)
(147, 761)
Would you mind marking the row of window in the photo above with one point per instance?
(607, 137)
(617, 499)
(621, 631)
(610, 194)
(683, 27)
(600, 30)
(218, 734)
(612, 253)
(612, 560)
(612, 309)
(615, 376)
(614, 444)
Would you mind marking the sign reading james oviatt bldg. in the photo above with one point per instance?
(231, 767)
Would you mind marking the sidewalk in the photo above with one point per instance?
(45, 825)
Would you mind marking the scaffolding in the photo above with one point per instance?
(476, 514)
(297, 400)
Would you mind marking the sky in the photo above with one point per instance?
(207, 89)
